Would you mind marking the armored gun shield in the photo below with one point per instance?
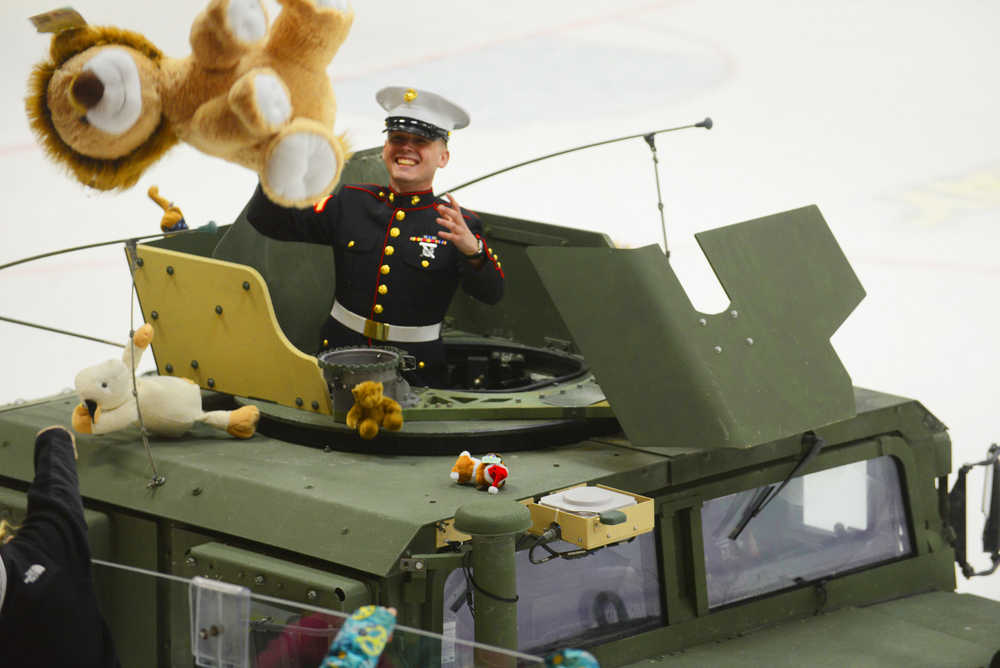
(760, 370)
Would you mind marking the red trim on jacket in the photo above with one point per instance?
(364, 190)
(320, 205)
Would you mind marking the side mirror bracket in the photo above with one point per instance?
(991, 529)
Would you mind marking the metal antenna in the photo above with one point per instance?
(707, 124)
(157, 480)
(651, 140)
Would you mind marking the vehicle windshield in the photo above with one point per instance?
(822, 524)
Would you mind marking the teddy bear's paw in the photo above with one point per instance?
(339, 5)
(247, 20)
(368, 429)
(261, 100)
(302, 166)
(272, 99)
(392, 422)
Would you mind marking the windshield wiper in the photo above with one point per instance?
(764, 495)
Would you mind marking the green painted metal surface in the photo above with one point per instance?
(494, 524)
(357, 510)
(277, 577)
(933, 630)
(492, 517)
(761, 370)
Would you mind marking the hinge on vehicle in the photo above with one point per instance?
(421, 563)
(220, 624)
(558, 344)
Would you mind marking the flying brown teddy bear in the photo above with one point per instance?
(108, 104)
(372, 410)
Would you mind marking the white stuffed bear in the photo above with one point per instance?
(170, 405)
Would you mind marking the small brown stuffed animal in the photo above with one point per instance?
(371, 410)
(108, 103)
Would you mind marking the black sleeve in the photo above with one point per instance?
(486, 282)
(314, 225)
(54, 522)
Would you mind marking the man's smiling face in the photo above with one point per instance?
(412, 160)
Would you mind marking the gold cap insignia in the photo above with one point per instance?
(410, 95)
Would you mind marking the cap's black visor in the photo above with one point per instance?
(413, 126)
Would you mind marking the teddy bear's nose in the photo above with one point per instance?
(87, 90)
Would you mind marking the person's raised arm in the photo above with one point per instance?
(54, 522)
(314, 225)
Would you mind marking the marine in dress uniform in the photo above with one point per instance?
(400, 251)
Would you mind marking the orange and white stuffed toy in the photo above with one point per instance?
(489, 473)
(108, 103)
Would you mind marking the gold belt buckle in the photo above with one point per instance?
(376, 330)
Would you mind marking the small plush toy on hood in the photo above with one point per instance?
(169, 405)
(489, 473)
(108, 103)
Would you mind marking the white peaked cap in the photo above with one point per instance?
(424, 107)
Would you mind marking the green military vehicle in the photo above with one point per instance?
(684, 489)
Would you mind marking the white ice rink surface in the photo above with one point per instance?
(882, 114)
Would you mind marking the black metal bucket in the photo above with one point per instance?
(344, 368)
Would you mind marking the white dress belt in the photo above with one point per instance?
(384, 331)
